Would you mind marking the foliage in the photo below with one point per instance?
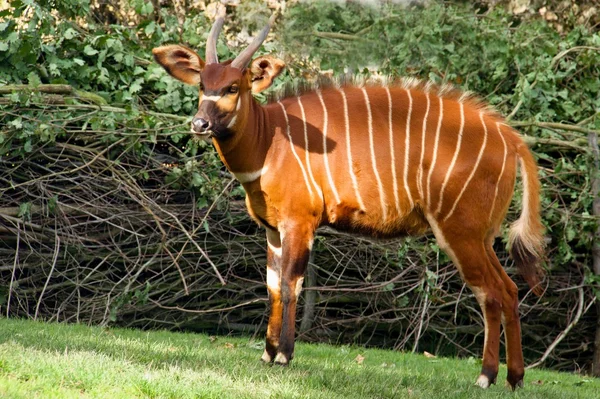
(54, 360)
(110, 189)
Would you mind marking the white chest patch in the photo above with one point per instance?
(247, 177)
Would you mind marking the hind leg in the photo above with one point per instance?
(470, 257)
(512, 326)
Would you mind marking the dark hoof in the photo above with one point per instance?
(514, 380)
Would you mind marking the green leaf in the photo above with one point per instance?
(33, 79)
(3, 45)
(70, 33)
(89, 50)
(150, 28)
(27, 147)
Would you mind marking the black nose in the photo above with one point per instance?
(199, 125)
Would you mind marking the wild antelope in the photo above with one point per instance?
(383, 160)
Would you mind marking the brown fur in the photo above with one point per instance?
(312, 164)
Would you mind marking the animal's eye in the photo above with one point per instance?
(233, 89)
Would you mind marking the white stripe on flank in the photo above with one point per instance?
(485, 133)
(454, 157)
(501, 170)
(325, 160)
(420, 171)
(407, 150)
(210, 98)
(246, 177)
(435, 148)
(349, 152)
(287, 122)
(373, 161)
(392, 153)
(310, 173)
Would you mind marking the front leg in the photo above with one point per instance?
(274, 288)
(296, 244)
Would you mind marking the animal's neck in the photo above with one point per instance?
(245, 151)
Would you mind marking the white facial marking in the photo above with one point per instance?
(232, 122)
(481, 150)
(483, 382)
(247, 177)
(373, 159)
(289, 135)
(281, 359)
(210, 98)
(299, 283)
(273, 280)
(349, 152)
(454, 157)
(325, 159)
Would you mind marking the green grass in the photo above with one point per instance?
(39, 360)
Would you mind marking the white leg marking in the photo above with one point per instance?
(373, 161)
(407, 149)
(281, 359)
(287, 122)
(247, 177)
(306, 152)
(325, 159)
(274, 239)
(485, 133)
(392, 152)
(435, 148)
(210, 98)
(420, 171)
(454, 157)
(273, 280)
(483, 382)
(349, 152)
(299, 283)
(501, 170)
(266, 357)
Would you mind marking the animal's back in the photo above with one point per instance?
(379, 159)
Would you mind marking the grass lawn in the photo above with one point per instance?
(39, 360)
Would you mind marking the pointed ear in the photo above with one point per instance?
(181, 62)
(263, 70)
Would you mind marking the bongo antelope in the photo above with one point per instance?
(383, 160)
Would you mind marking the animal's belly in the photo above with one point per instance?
(354, 220)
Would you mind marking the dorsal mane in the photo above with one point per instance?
(446, 90)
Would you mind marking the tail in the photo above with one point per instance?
(525, 239)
